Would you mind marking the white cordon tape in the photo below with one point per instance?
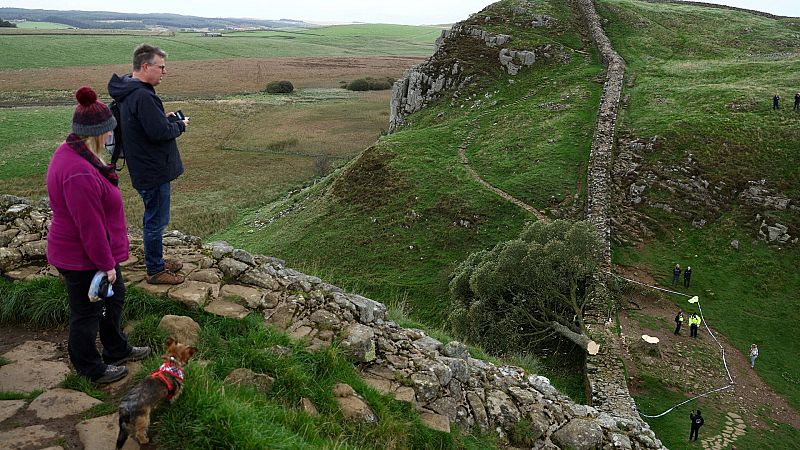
(711, 333)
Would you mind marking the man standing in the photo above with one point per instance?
(697, 422)
(676, 274)
(797, 101)
(776, 101)
(687, 277)
(678, 323)
(151, 153)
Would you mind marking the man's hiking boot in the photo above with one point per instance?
(112, 374)
(165, 277)
(136, 354)
(173, 265)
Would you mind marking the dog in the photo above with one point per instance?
(166, 383)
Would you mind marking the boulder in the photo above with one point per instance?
(501, 409)
(58, 403)
(243, 295)
(247, 376)
(579, 434)
(436, 422)
(359, 343)
(232, 268)
(181, 328)
(227, 309)
(352, 405)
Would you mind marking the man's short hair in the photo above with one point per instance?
(145, 54)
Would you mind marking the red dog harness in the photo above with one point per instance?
(168, 368)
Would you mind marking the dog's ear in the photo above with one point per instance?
(169, 343)
(191, 351)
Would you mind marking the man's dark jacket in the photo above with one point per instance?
(151, 152)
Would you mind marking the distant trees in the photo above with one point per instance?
(7, 24)
(279, 87)
(529, 290)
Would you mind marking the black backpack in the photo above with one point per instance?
(116, 145)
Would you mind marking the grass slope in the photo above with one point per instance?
(394, 223)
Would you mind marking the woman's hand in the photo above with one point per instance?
(112, 276)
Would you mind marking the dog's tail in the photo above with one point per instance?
(123, 428)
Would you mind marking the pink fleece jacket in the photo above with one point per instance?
(88, 230)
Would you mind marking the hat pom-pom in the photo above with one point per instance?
(86, 96)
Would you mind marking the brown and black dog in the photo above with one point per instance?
(165, 383)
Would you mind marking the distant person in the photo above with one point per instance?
(697, 422)
(753, 355)
(776, 101)
(694, 322)
(678, 322)
(676, 274)
(687, 276)
(151, 153)
(88, 233)
(797, 101)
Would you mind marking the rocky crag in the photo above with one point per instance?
(451, 67)
(444, 382)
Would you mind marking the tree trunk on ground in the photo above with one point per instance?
(581, 340)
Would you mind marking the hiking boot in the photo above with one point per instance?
(173, 265)
(165, 277)
(136, 354)
(112, 374)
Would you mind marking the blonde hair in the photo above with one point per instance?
(96, 144)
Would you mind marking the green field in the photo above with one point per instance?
(58, 50)
(42, 25)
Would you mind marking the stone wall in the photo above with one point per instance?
(605, 372)
(447, 386)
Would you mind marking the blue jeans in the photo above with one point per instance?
(156, 218)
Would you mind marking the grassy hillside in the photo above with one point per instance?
(688, 66)
(33, 51)
(398, 219)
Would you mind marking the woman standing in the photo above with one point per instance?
(89, 233)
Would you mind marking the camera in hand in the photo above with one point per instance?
(178, 116)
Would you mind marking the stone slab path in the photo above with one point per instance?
(52, 420)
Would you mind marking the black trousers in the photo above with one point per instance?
(87, 318)
(686, 281)
(678, 328)
(693, 330)
(693, 433)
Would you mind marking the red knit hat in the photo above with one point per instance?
(92, 117)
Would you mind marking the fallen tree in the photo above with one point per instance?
(529, 290)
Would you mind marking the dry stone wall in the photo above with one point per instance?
(605, 372)
(443, 381)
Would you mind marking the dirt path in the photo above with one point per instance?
(749, 397)
(462, 153)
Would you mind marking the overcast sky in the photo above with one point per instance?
(412, 12)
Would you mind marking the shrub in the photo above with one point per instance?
(279, 87)
(369, 84)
